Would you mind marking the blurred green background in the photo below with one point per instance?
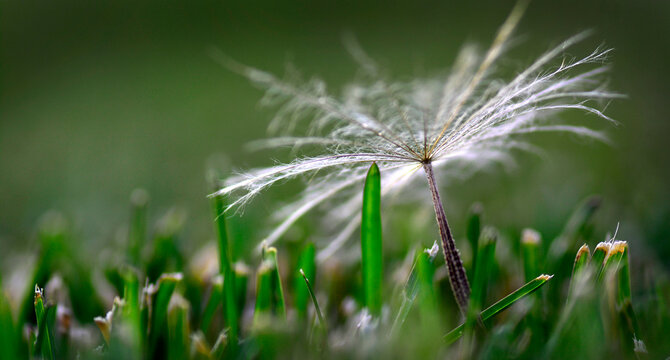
(99, 98)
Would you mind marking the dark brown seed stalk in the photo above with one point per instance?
(457, 277)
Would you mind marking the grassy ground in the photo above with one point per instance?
(532, 297)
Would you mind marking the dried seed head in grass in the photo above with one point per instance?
(454, 125)
(460, 123)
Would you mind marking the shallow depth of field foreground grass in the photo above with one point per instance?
(373, 243)
(150, 301)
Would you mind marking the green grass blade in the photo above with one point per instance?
(371, 241)
(629, 323)
(166, 256)
(306, 265)
(9, 335)
(501, 305)
(322, 320)
(598, 258)
(8, 332)
(213, 303)
(581, 263)
(178, 329)
(231, 315)
(530, 251)
(486, 253)
(278, 302)
(45, 341)
(624, 277)
(32, 339)
(425, 266)
(510, 299)
(51, 233)
(420, 279)
(264, 291)
(241, 282)
(138, 225)
(486, 257)
(166, 286)
(612, 259)
(219, 348)
(131, 309)
(473, 231)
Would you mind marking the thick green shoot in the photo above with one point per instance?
(371, 241)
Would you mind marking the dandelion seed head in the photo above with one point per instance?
(462, 123)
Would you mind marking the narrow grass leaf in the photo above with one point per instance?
(322, 320)
(501, 305)
(371, 241)
(138, 225)
(178, 329)
(486, 258)
(628, 319)
(264, 291)
(307, 265)
(612, 259)
(213, 303)
(241, 282)
(159, 312)
(486, 253)
(472, 231)
(132, 310)
(45, 340)
(278, 302)
(9, 339)
(598, 258)
(581, 263)
(624, 277)
(420, 278)
(225, 268)
(425, 266)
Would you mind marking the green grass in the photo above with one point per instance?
(371, 241)
(160, 306)
(226, 270)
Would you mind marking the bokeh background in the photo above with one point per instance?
(99, 98)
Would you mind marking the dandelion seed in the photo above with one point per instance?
(449, 126)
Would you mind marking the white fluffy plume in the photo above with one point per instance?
(461, 122)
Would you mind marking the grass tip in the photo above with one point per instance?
(241, 268)
(530, 236)
(139, 197)
(544, 277)
(603, 246)
(583, 251)
(171, 277)
(618, 247)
